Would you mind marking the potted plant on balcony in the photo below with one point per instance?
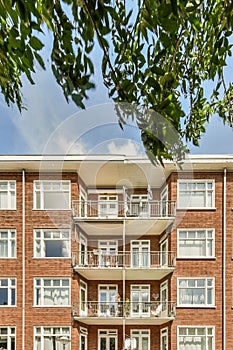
(127, 307)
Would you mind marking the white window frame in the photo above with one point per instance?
(139, 205)
(83, 333)
(82, 202)
(42, 288)
(10, 333)
(206, 287)
(108, 200)
(39, 236)
(194, 330)
(108, 333)
(206, 190)
(11, 242)
(104, 308)
(140, 243)
(11, 287)
(42, 332)
(41, 191)
(139, 288)
(163, 334)
(83, 287)
(139, 332)
(207, 239)
(10, 192)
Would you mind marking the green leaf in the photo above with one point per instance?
(35, 43)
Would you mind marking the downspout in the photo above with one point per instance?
(23, 259)
(224, 261)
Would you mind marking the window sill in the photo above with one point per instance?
(196, 258)
(52, 306)
(57, 209)
(195, 307)
(197, 208)
(51, 257)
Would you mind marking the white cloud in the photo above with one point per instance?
(127, 147)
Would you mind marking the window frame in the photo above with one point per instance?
(206, 230)
(197, 181)
(9, 240)
(83, 332)
(42, 289)
(42, 335)
(9, 191)
(41, 191)
(10, 287)
(140, 331)
(206, 287)
(9, 335)
(108, 333)
(42, 239)
(196, 327)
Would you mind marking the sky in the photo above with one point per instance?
(51, 125)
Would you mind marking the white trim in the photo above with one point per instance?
(42, 288)
(109, 333)
(179, 181)
(14, 207)
(165, 330)
(139, 331)
(193, 306)
(206, 239)
(197, 326)
(106, 191)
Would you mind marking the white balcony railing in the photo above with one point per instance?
(127, 309)
(121, 209)
(147, 260)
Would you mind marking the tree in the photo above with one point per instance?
(157, 56)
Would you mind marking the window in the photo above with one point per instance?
(47, 338)
(196, 243)
(140, 339)
(52, 194)
(52, 292)
(164, 339)
(52, 243)
(140, 297)
(195, 292)
(107, 339)
(83, 338)
(107, 300)
(7, 338)
(7, 291)
(7, 243)
(139, 205)
(196, 194)
(140, 253)
(8, 194)
(108, 206)
(196, 338)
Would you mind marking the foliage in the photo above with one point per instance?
(157, 55)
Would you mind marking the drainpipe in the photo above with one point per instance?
(23, 259)
(224, 262)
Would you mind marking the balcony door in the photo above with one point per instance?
(107, 340)
(164, 253)
(83, 251)
(83, 298)
(164, 298)
(139, 205)
(83, 202)
(108, 206)
(140, 254)
(140, 339)
(140, 297)
(107, 300)
(108, 253)
(164, 202)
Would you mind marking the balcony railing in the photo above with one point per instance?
(146, 260)
(125, 309)
(121, 209)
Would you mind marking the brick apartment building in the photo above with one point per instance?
(112, 253)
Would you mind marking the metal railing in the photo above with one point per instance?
(121, 309)
(118, 209)
(147, 260)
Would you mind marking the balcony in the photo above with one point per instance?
(149, 217)
(131, 313)
(94, 265)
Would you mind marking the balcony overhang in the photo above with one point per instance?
(129, 274)
(133, 226)
(134, 321)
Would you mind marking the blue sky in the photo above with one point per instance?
(51, 125)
